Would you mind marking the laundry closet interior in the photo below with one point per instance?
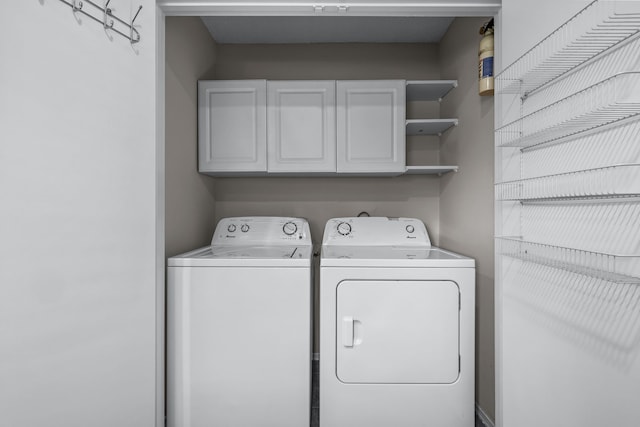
(457, 207)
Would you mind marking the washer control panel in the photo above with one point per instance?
(375, 231)
(265, 231)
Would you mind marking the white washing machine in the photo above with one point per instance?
(396, 327)
(239, 327)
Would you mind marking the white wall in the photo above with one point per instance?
(568, 344)
(189, 197)
(78, 219)
(466, 197)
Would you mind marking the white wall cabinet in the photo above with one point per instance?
(232, 126)
(313, 127)
(371, 120)
(301, 126)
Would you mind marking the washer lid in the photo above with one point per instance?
(245, 256)
(392, 256)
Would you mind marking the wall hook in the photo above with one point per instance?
(135, 38)
(94, 10)
(107, 21)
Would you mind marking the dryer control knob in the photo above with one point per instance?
(244, 228)
(344, 228)
(231, 228)
(410, 229)
(289, 228)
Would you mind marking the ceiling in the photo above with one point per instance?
(326, 29)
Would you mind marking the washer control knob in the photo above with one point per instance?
(344, 228)
(231, 228)
(244, 228)
(410, 228)
(290, 228)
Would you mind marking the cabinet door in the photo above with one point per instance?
(371, 126)
(232, 126)
(301, 118)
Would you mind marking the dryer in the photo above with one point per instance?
(396, 327)
(239, 327)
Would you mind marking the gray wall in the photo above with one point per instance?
(190, 201)
(466, 197)
(319, 199)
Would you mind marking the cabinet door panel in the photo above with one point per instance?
(370, 126)
(301, 126)
(232, 126)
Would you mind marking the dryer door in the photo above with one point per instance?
(395, 332)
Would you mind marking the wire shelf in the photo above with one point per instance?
(609, 267)
(596, 28)
(611, 100)
(612, 181)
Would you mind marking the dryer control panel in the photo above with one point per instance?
(261, 231)
(375, 231)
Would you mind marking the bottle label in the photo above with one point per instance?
(486, 67)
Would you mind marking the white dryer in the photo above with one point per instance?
(239, 327)
(396, 327)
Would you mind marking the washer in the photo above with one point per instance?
(239, 327)
(396, 327)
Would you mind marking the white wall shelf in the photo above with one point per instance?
(606, 182)
(429, 90)
(596, 28)
(611, 100)
(430, 170)
(609, 267)
(429, 126)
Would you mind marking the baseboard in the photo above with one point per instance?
(484, 418)
(315, 357)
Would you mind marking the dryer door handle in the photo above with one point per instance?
(347, 331)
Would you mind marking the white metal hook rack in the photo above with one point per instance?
(104, 15)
